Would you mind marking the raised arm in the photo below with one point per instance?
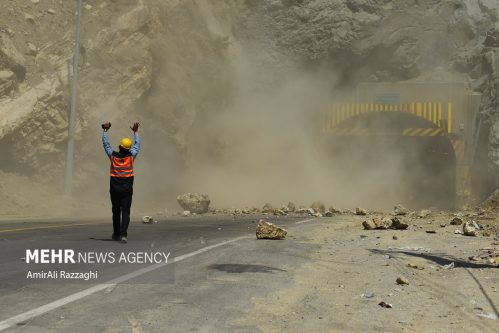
(105, 141)
(136, 146)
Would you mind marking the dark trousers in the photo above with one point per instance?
(121, 212)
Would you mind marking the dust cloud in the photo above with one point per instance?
(267, 145)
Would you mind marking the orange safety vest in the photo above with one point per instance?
(122, 167)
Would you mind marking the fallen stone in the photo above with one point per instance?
(148, 219)
(398, 224)
(360, 211)
(456, 221)
(469, 230)
(267, 208)
(431, 231)
(51, 11)
(394, 237)
(267, 230)
(246, 211)
(369, 225)
(328, 214)
(385, 223)
(194, 202)
(458, 232)
(291, 207)
(186, 213)
(424, 213)
(35, 1)
(385, 305)
(311, 211)
(443, 225)
(400, 210)
(402, 280)
(318, 206)
(317, 214)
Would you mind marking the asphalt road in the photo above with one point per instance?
(201, 246)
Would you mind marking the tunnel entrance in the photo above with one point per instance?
(374, 154)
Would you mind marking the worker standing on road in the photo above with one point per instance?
(121, 183)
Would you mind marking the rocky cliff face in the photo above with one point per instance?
(177, 65)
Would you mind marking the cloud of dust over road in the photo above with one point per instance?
(268, 147)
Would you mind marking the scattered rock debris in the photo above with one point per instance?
(384, 224)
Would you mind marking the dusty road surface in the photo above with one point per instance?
(328, 275)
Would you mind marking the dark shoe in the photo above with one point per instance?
(115, 238)
(123, 239)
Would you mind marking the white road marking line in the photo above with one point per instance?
(304, 221)
(28, 315)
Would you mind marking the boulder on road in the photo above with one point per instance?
(267, 230)
(398, 224)
(469, 229)
(194, 202)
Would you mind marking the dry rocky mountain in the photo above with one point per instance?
(176, 66)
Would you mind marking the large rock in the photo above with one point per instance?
(468, 229)
(194, 202)
(11, 58)
(398, 224)
(267, 230)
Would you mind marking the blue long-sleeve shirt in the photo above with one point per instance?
(109, 150)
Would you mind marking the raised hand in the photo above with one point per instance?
(135, 127)
(106, 126)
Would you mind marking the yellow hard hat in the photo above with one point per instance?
(126, 143)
